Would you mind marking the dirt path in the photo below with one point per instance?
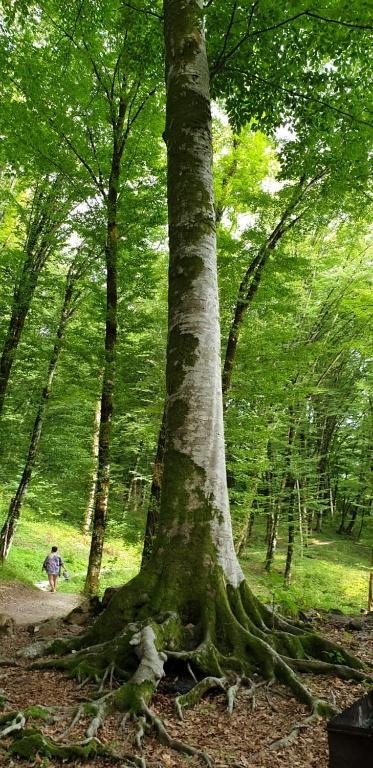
(28, 605)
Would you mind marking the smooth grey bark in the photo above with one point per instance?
(246, 294)
(194, 500)
(213, 622)
(14, 512)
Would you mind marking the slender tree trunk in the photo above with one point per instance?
(370, 588)
(135, 485)
(344, 513)
(88, 513)
(252, 279)
(9, 527)
(44, 220)
(287, 487)
(103, 467)
(155, 494)
(121, 120)
(324, 491)
(269, 525)
(300, 517)
(272, 539)
(331, 503)
(353, 518)
(247, 530)
(290, 547)
(361, 526)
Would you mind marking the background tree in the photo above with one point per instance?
(68, 307)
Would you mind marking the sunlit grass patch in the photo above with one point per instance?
(34, 539)
(332, 572)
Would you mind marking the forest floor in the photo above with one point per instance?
(241, 740)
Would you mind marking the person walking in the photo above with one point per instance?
(53, 564)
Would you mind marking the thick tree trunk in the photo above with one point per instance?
(194, 502)
(9, 527)
(246, 294)
(44, 220)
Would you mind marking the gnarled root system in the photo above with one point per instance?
(231, 640)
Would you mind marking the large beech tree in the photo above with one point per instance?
(190, 603)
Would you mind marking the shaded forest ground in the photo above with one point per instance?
(236, 741)
(332, 572)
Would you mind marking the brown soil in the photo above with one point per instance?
(238, 741)
(28, 605)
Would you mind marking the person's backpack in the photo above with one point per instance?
(48, 559)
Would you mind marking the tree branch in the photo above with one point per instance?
(349, 24)
(97, 72)
(302, 14)
(117, 65)
(80, 157)
(305, 97)
(226, 36)
(146, 11)
(132, 120)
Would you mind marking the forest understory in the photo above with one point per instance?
(247, 737)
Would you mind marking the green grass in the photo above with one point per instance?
(333, 572)
(34, 539)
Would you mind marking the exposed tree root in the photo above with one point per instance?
(325, 668)
(190, 699)
(232, 692)
(292, 736)
(230, 641)
(167, 740)
(16, 724)
(32, 743)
